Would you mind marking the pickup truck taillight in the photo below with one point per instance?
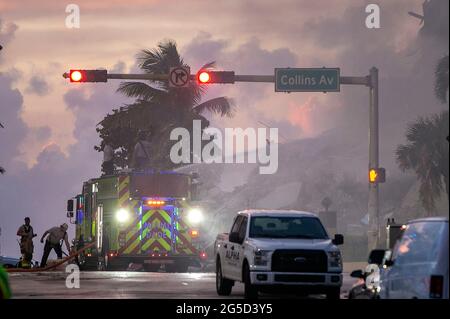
(436, 287)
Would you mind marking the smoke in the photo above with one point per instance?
(38, 85)
(406, 69)
(335, 123)
(7, 33)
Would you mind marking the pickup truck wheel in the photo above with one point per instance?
(334, 293)
(223, 285)
(250, 291)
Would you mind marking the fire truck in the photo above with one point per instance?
(146, 217)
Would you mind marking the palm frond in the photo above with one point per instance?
(140, 90)
(406, 158)
(209, 65)
(159, 60)
(149, 59)
(220, 105)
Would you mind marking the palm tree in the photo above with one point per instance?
(185, 100)
(427, 153)
(158, 107)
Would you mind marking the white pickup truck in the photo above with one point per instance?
(278, 249)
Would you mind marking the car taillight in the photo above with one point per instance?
(203, 255)
(436, 286)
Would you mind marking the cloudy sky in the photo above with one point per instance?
(47, 143)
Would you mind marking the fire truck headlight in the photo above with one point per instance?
(195, 216)
(122, 215)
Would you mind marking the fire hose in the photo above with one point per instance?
(62, 261)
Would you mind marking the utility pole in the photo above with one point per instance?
(373, 205)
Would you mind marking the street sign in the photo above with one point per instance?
(179, 77)
(307, 80)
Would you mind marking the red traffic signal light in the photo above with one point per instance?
(88, 76)
(203, 77)
(377, 175)
(209, 77)
(75, 76)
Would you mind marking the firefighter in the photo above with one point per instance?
(5, 291)
(108, 159)
(55, 236)
(141, 153)
(26, 234)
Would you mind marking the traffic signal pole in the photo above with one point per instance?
(373, 210)
(373, 234)
(370, 81)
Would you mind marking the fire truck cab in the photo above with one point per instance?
(146, 217)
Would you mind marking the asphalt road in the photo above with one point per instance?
(98, 285)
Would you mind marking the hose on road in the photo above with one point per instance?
(62, 261)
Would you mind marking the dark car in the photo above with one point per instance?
(9, 262)
(12, 262)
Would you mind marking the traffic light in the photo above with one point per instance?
(70, 207)
(377, 175)
(88, 75)
(210, 77)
